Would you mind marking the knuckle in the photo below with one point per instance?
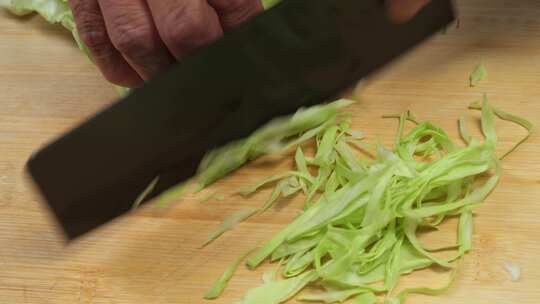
(135, 39)
(95, 37)
(93, 33)
(183, 28)
(91, 28)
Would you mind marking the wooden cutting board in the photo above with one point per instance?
(152, 256)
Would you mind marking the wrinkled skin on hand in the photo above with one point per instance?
(134, 40)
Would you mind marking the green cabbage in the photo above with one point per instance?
(479, 73)
(54, 11)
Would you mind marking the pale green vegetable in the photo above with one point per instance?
(358, 233)
(272, 274)
(408, 116)
(479, 73)
(488, 122)
(274, 178)
(465, 231)
(365, 298)
(219, 197)
(269, 275)
(278, 136)
(275, 137)
(219, 285)
(229, 223)
(392, 300)
(463, 130)
(54, 11)
(527, 125)
(269, 3)
(275, 292)
(211, 196)
(145, 193)
(338, 296)
(402, 296)
(172, 194)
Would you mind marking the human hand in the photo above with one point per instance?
(403, 10)
(134, 40)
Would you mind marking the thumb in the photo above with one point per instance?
(403, 10)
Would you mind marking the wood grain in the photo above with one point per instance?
(152, 256)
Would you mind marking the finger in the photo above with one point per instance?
(403, 10)
(93, 33)
(234, 12)
(133, 33)
(185, 25)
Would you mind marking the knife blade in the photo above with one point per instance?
(299, 53)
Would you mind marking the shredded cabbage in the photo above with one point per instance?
(277, 136)
(145, 193)
(212, 196)
(527, 125)
(358, 233)
(220, 284)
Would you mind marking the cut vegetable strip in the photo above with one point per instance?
(275, 292)
(464, 131)
(145, 193)
(477, 75)
(229, 223)
(221, 283)
(365, 298)
(527, 125)
(212, 196)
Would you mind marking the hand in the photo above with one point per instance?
(403, 10)
(134, 40)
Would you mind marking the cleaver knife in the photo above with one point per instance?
(298, 53)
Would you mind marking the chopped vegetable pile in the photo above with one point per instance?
(357, 234)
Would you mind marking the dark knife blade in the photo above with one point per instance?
(298, 53)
